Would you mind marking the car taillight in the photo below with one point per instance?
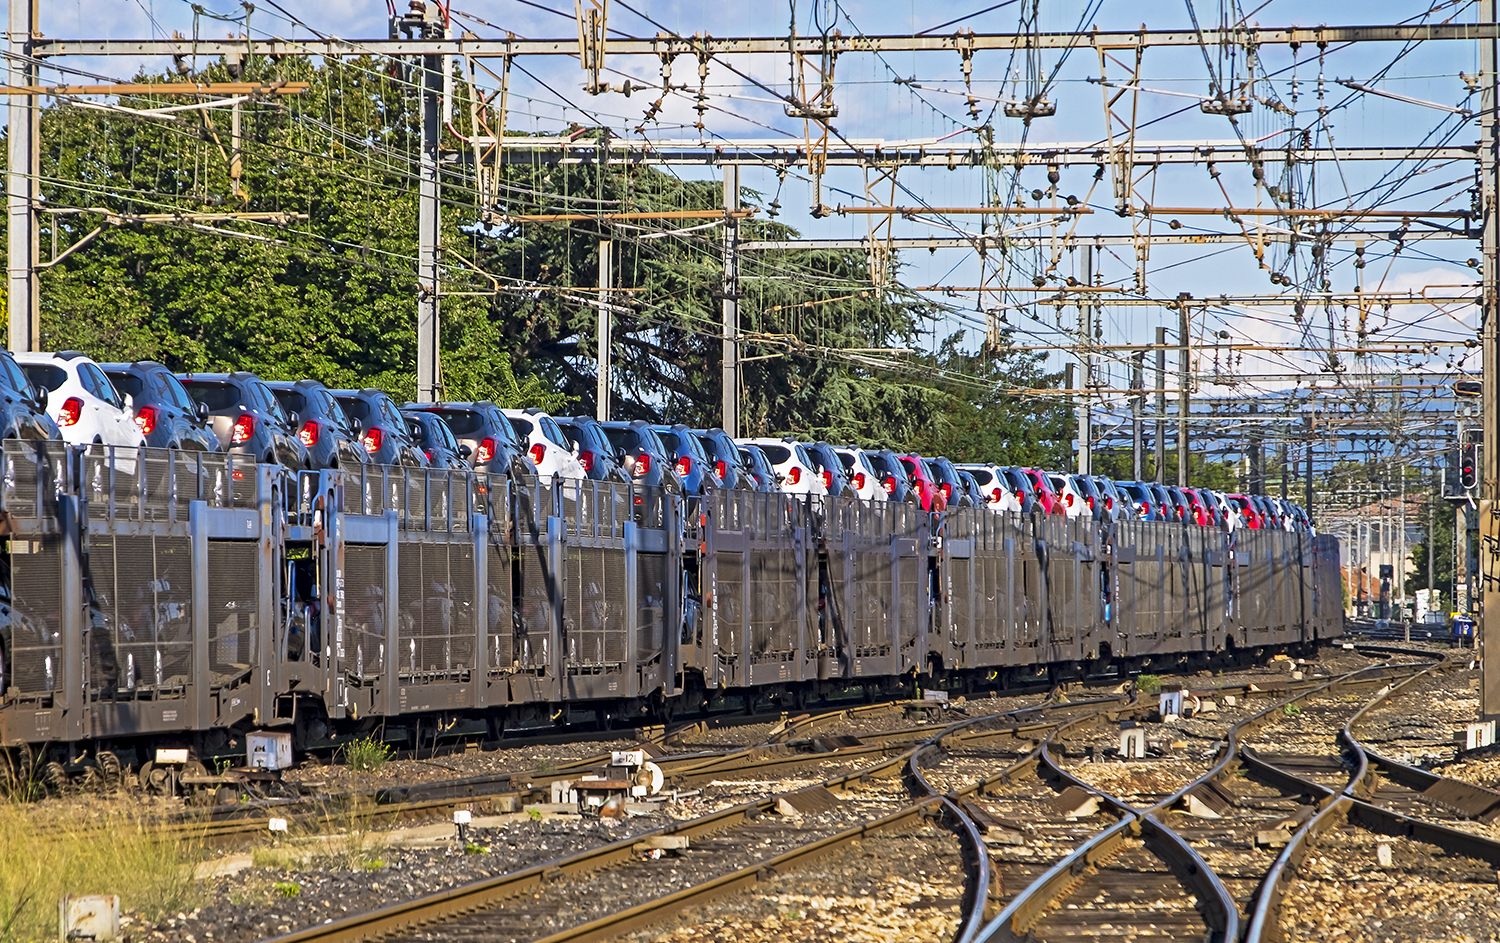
(244, 428)
(1068, 498)
(1109, 504)
(309, 434)
(858, 481)
(1179, 512)
(146, 419)
(586, 459)
(642, 464)
(794, 476)
(684, 466)
(1145, 509)
(371, 441)
(1090, 500)
(486, 451)
(72, 411)
(428, 453)
(889, 484)
(946, 489)
(720, 470)
(827, 477)
(996, 496)
(538, 452)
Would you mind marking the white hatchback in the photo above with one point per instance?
(997, 493)
(861, 475)
(80, 399)
(1073, 502)
(545, 444)
(794, 467)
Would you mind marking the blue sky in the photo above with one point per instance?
(872, 105)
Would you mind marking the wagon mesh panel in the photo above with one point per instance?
(773, 608)
(36, 594)
(500, 633)
(594, 619)
(651, 603)
(143, 588)
(730, 581)
(364, 610)
(535, 631)
(233, 610)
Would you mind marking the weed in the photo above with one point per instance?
(534, 814)
(352, 833)
(1148, 684)
(278, 858)
(287, 888)
(374, 865)
(152, 875)
(472, 849)
(367, 755)
(1291, 710)
(792, 915)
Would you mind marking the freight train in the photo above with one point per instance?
(166, 604)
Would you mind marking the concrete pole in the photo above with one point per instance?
(1161, 405)
(731, 308)
(606, 330)
(1137, 407)
(1084, 411)
(1184, 368)
(429, 227)
(1489, 488)
(23, 152)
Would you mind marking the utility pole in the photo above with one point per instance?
(1307, 489)
(1489, 485)
(1184, 367)
(1161, 405)
(606, 329)
(1257, 483)
(23, 169)
(1084, 411)
(731, 292)
(428, 24)
(1070, 377)
(1137, 407)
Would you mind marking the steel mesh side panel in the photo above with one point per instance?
(593, 608)
(409, 654)
(872, 601)
(651, 604)
(233, 615)
(364, 610)
(535, 631)
(500, 632)
(773, 573)
(729, 579)
(960, 526)
(143, 590)
(36, 601)
(1032, 585)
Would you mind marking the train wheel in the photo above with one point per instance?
(157, 780)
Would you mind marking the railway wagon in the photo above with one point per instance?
(170, 600)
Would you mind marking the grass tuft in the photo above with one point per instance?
(367, 755)
(113, 853)
(1148, 684)
(287, 888)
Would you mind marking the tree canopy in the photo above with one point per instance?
(329, 291)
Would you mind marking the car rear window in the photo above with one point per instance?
(45, 375)
(355, 408)
(463, 422)
(292, 400)
(776, 453)
(169, 388)
(14, 378)
(553, 433)
(125, 382)
(910, 466)
(981, 475)
(521, 426)
(217, 396)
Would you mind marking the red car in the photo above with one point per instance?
(1248, 515)
(1046, 494)
(924, 482)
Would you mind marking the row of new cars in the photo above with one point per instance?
(304, 424)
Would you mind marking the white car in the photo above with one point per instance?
(997, 493)
(1072, 501)
(545, 444)
(862, 475)
(794, 467)
(80, 399)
